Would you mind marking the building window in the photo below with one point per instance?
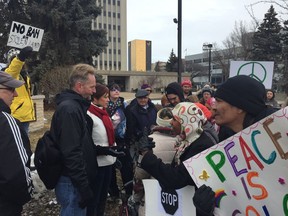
(109, 1)
(119, 40)
(105, 26)
(110, 51)
(114, 51)
(118, 15)
(110, 39)
(114, 39)
(100, 25)
(197, 61)
(118, 3)
(114, 14)
(109, 14)
(109, 26)
(114, 27)
(104, 1)
(104, 13)
(119, 52)
(118, 27)
(114, 2)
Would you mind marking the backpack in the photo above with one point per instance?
(48, 160)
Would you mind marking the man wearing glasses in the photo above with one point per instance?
(16, 184)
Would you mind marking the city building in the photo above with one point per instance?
(139, 55)
(113, 20)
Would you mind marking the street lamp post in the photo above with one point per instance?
(179, 30)
(209, 48)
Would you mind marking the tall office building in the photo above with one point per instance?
(139, 55)
(113, 20)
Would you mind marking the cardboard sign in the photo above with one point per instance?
(173, 202)
(249, 171)
(259, 70)
(22, 35)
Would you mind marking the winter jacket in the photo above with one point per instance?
(169, 175)
(74, 139)
(22, 106)
(15, 180)
(138, 118)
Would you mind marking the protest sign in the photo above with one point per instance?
(22, 35)
(160, 202)
(249, 171)
(259, 70)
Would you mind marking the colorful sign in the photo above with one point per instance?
(22, 35)
(249, 171)
(161, 202)
(259, 70)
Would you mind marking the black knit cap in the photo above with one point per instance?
(243, 92)
(175, 88)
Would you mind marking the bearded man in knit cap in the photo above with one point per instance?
(240, 102)
(174, 93)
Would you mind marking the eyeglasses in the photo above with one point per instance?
(115, 89)
(149, 90)
(9, 89)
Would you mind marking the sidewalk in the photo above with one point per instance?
(131, 95)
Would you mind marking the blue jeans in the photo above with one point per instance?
(68, 197)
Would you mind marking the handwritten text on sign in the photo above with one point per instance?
(22, 35)
(249, 171)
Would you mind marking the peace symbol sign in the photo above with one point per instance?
(259, 74)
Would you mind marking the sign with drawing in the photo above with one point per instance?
(160, 202)
(248, 171)
(259, 70)
(22, 35)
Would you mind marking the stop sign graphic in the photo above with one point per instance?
(169, 200)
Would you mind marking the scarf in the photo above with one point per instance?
(112, 106)
(103, 115)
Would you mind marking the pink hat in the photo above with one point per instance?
(186, 82)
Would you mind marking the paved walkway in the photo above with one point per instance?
(131, 95)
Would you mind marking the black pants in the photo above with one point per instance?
(126, 171)
(10, 209)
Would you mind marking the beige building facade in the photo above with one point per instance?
(113, 20)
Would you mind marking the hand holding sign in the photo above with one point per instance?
(25, 53)
(204, 200)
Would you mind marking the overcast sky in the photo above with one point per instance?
(202, 21)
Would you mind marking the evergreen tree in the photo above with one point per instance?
(284, 38)
(10, 10)
(68, 38)
(172, 62)
(266, 40)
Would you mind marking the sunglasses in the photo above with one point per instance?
(9, 89)
(115, 89)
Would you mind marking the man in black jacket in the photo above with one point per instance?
(75, 186)
(16, 184)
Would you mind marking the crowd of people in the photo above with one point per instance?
(97, 132)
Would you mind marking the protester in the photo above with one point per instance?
(147, 87)
(22, 107)
(187, 122)
(141, 115)
(187, 88)
(104, 140)
(16, 184)
(74, 190)
(237, 106)
(270, 99)
(174, 93)
(207, 93)
(116, 109)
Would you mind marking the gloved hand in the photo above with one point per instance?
(204, 199)
(109, 151)
(25, 53)
(86, 197)
(145, 143)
